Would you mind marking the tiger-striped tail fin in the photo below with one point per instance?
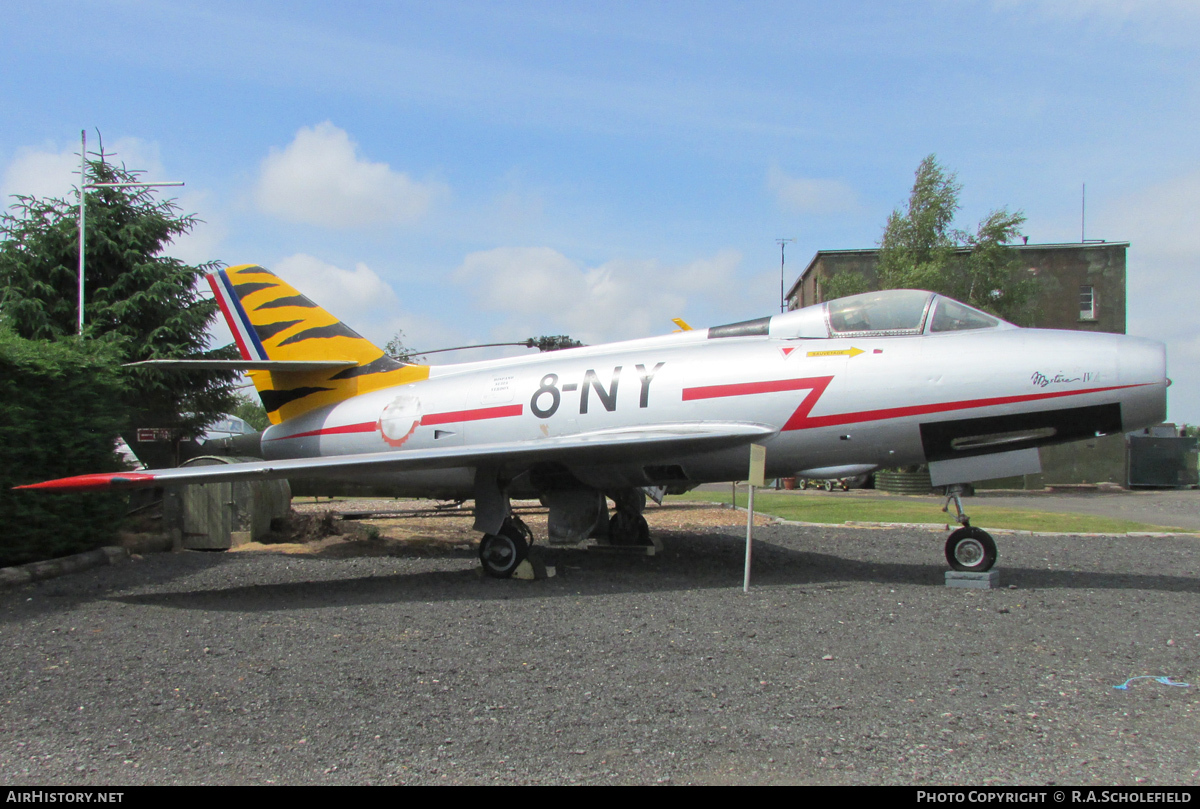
(271, 320)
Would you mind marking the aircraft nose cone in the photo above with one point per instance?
(1143, 364)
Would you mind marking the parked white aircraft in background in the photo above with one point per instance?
(884, 379)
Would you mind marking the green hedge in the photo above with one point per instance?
(59, 416)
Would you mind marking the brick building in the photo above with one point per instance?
(1082, 285)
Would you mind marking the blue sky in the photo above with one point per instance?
(476, 172)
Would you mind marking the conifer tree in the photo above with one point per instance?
(144, 303)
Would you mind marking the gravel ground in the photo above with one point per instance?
(848, 662)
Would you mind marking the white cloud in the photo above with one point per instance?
(368, 304)
(809, 195)
(41, 173)
(543, 291)
(136, 155)
(45, 172)
(358, 297)
(321, 179)
(355, 296)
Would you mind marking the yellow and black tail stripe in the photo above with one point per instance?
(271, 320)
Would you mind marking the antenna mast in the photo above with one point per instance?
(782, 246)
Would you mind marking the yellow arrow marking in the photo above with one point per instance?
(849, 352)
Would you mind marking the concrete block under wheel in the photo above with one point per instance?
(973, 581)
(629, 550)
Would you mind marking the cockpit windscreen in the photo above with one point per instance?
(951, 315)
(893, 311)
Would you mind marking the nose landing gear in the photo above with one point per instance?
(968, 549)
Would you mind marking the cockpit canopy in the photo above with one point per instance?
(889, 313)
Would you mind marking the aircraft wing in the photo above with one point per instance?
(602, 446)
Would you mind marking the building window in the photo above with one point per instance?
(1087, 303)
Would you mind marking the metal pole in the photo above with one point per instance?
(758, 465)
(749, 540)
(782, 304)
(782, 246)
(82, 223)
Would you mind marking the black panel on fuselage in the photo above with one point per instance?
(1068, 424)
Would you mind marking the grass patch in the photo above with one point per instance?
(844, 507)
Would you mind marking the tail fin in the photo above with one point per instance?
(270, 320)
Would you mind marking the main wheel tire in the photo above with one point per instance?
(501, 553)
(971, 550)
(828, 485)
(621, 532)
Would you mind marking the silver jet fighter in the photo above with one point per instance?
(884, 379)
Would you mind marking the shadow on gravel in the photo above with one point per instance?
(712, 563)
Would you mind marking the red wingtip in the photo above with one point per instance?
(90, 483)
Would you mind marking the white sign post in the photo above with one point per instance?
(758, 464)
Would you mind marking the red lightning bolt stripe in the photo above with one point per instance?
(801, 420)
(817, 383)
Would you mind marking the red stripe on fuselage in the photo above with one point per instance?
(432, 418)
(365, 427)
(474, 415)
(800, 420)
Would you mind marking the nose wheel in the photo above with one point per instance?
(971, 550)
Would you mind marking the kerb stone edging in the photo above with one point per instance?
(53, 568)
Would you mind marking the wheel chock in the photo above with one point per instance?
(533, 568)
(989, 580)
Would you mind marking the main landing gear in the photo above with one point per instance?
(501, 553)
(627, 526)
(968, 549)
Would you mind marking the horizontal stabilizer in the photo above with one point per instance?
(294, 366)
(601, 446)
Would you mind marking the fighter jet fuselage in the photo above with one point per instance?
(884, 379)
